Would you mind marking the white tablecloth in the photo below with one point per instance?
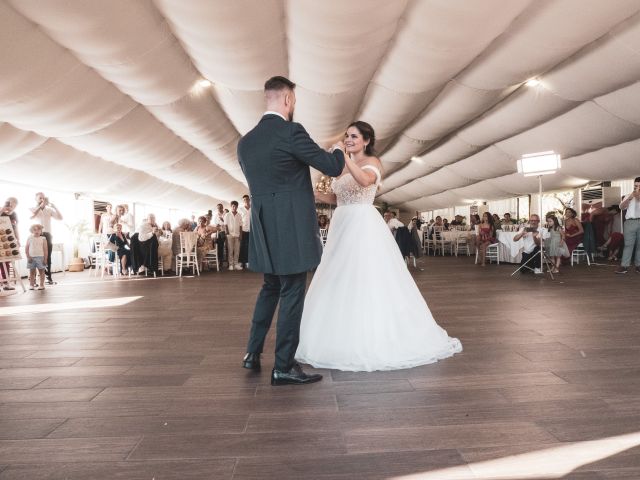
(509, 250)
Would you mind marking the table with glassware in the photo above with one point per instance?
(509, 250)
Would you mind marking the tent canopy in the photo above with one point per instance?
(109, 98)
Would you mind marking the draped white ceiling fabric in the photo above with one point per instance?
(108, 97)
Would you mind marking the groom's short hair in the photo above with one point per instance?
(278, 83)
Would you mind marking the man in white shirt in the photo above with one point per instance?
(233, 225)
(43, 212)
(221, 236)
(245, 211)
(125, 219)
(631, 228)
(392, 222)
(532, 237)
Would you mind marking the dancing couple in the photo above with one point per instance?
(363, 310)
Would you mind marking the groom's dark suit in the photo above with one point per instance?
(284, 241)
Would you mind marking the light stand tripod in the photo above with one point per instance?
(544, 258)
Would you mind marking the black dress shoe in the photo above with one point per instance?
(251, 361)
(295, 376)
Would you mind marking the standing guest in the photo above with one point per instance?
(119, 239)
(631, 228)
(555, 245)
(486, 236)
(221, 238)
(416, 244)
(573, 231)
(37, 251)
(9, 210)
(43, 212)
(166, 229)
(245, 211)
(107, 220)
(193, 224)
(532, 236)
(474, 221)
(126, 220)
(233, 224)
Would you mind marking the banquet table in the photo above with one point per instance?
(509, 250)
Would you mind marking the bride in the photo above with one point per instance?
(363, 311)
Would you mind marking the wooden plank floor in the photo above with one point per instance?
(141, 379)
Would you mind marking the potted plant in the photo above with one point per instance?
(79, 232)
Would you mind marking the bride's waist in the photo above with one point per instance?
(355, 205)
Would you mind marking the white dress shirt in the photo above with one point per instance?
(233, 223)
(270, 112)
(145, 232)
(45, 215)
(394, 223)
(528, 242)
(633, 210)
(127, 223)
(246, 218)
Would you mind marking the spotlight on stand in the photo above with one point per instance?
(537, 165)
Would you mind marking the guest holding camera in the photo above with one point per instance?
(43, 212)
(532, 236)
(631, 228)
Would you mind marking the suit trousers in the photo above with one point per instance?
(289, 290)
(47, 235)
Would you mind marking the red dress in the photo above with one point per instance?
(572, 242)
(485, 235)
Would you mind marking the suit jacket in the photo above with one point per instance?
(275, 157)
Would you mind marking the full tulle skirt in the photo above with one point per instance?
(363, 310)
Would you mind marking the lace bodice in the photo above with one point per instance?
(350, 192)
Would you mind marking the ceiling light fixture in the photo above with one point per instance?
(204, 83)
(532, 82)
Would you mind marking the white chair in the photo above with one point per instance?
(211, 257)
(188, 256)
(59, 247)
(491, 254)
(323, 235)
(102, 260)
(578, 252)
(462, 245)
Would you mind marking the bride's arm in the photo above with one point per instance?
(364, 177)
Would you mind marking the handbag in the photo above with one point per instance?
(110, 246)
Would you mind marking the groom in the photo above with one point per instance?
(284, 242)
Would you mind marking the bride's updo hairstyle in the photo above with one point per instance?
(367, 134)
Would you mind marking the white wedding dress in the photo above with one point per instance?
(363, 310)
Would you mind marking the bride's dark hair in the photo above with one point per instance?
(367, 134)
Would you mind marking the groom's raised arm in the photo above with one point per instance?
(309, 152)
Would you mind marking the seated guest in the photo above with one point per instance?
(119, 239)
(392, 222)
(573, 230)
(507, 219)
(165, 252)
(474, 221)
(455, 222)
(437, 226)
(497, 223)
(323, 221)
(184, 225)
(205, 239)
(445, 223)
(531, 237)
(145, 245)
(416, 244)
(486, 236)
